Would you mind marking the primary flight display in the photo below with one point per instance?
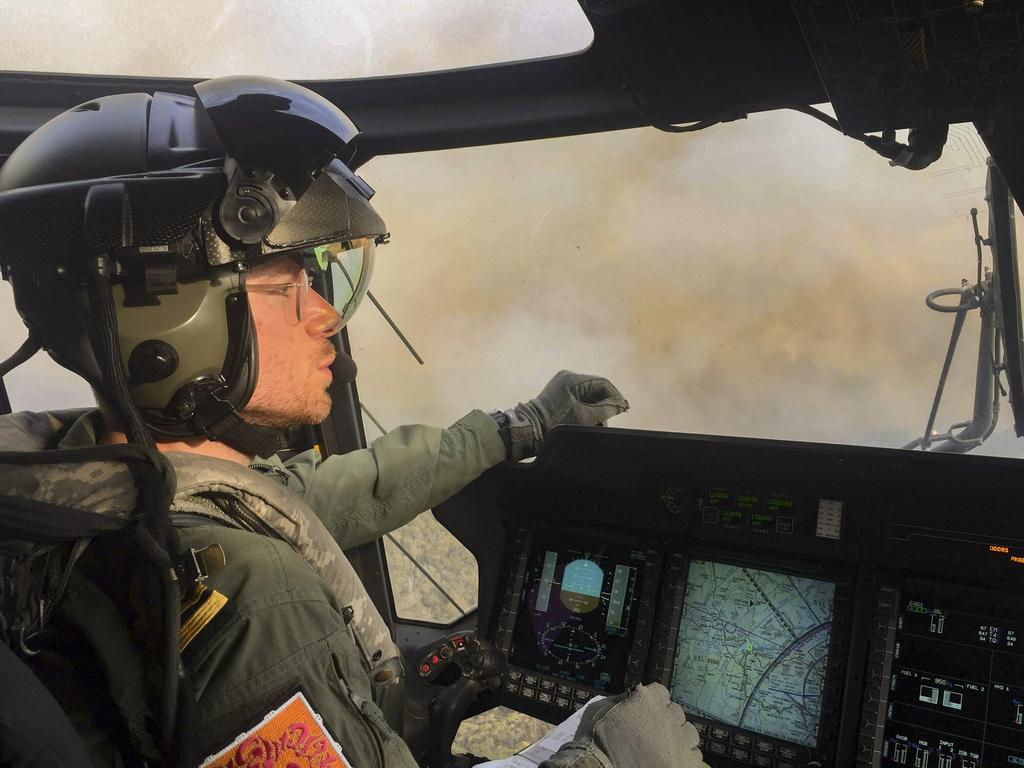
(576, 613)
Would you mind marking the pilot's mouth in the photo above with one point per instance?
(326, 365)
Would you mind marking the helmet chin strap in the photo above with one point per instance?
(216, 419)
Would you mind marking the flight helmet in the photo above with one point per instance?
(166, 202)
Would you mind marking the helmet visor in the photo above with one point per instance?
(346, 268)
(335, 208)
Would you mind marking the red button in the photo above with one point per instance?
(435, 659)
(424, 669)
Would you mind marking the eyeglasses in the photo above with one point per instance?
(345, 269)
(296, 296)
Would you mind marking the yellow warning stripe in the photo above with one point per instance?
(204, 615)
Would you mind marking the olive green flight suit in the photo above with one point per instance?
(282, 628)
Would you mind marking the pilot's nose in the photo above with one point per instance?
(323, 320)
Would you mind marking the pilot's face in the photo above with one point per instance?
(293, 328)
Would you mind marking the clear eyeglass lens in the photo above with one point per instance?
(292, 297)
(302, 290)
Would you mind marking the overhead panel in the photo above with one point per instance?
(717, 61)
(906, 63)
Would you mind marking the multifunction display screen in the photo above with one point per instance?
(577, 612)
(752, 649)
(956, 689)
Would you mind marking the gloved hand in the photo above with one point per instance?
(569, 398)
(642, 727)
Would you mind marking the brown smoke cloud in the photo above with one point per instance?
(765, 278)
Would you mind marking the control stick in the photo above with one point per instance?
(467, 665)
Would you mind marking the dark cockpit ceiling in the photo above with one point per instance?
(691, 61)
(884, 64)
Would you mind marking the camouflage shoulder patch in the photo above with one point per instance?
(291, 736)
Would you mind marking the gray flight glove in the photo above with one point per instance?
(641, 728)
(569, 398)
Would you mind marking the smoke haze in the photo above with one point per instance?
(765, 277)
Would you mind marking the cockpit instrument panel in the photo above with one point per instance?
(955, 692)
(806, 605)
(579, 615)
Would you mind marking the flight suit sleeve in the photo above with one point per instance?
(364, 494)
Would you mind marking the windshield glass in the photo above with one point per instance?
(762, 278)
(316, 39)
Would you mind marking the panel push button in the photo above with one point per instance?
(738, 753)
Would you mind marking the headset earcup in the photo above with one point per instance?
(151, 361)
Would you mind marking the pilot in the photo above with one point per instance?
(191, 259)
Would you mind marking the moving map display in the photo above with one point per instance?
(577, 611)
(752, 649)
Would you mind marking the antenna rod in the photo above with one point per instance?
(395, 328)
(372, 418)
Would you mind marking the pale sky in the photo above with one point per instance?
(314, 39)
(764, 277)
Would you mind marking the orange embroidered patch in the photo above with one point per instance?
(291, 736)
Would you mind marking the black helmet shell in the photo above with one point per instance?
(274, 124)
(144, 180)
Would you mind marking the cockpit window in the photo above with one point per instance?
(763, 278)
(318, 39)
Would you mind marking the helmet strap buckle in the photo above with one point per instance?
(219, 421)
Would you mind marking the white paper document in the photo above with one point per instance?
(539, 751)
